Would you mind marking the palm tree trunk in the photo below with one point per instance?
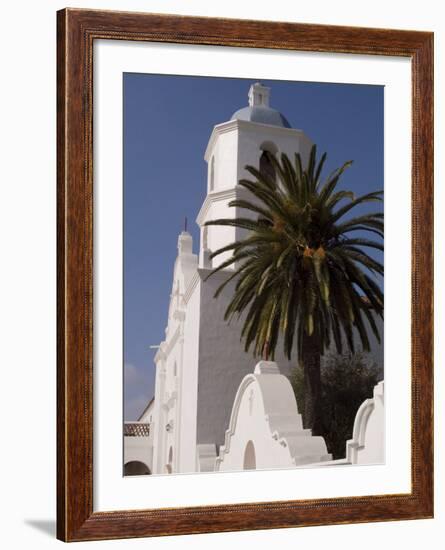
(311, 359)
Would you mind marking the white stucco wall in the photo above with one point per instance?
(158, 415)
(223, 363)
(189, 380)
(254, 138)
(139, 449)
(265, 428)
(173, 411)
(219, 236)
(232, 146)
(367, 445)
(224, 150)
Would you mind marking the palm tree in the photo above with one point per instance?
(302, 274)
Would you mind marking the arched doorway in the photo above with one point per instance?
(136, 468)
(249, 457)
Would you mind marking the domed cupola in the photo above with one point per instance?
(259, 111)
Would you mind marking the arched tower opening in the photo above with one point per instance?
(266, 167)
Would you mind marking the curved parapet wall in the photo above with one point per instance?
(265, 428)
(367, 445)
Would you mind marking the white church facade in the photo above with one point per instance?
(213, 408)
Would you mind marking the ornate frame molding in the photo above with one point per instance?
(77, 30)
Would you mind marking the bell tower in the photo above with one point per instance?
(234, 144)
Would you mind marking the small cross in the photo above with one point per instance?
(250, 402)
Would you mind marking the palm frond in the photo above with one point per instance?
(301, 270)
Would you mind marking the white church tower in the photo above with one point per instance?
(201, 361)
(234, 144)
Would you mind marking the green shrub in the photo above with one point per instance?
(347, 380)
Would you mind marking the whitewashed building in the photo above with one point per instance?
(201, 362)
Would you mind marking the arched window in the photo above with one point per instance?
(249, 457)
(266, 166)
(212, 175)
(169, 465)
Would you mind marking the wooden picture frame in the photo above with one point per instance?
(77, 31)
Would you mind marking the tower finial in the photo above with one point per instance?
(185, 224)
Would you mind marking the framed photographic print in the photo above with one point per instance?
(245, 224)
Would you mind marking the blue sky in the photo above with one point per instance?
(167, 123)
